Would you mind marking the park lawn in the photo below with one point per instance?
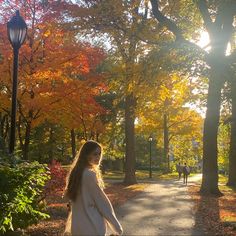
(118, 193)
(140, 174)
(216, 216)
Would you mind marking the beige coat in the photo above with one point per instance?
(92, 212)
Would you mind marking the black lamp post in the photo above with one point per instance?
(17, 30)
(150, 158)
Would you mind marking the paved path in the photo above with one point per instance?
(165, 208)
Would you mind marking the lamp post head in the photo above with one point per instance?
(150, 138)
(17, 30)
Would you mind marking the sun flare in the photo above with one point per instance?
(204, 42)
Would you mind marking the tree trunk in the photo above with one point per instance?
(7, 127)
(232, 151)
(50, 142)
(27, 141)
(73, 142)
(3, 131)
(211, 123)
(97, 136)
(19, 126)
(130, 177)
(166, 142)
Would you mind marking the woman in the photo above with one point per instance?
(91, 210)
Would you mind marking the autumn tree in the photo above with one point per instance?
(228, 131)
(122, 23)
(55, 69)
(170, 116)
(232, 99)
(232, 151)
(218, 18)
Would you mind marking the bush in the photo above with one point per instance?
(57, 179)
(21, 188)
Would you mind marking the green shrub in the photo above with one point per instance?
(21, 186)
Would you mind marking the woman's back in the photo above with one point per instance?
(86, 219)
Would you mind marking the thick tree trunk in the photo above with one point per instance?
(232, 152)
(211, 123)
(73, 142)
(130, 177)
(166, 142)
(27, 141)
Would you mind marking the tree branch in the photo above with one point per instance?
(202, 5)
(175, 29)
(179, 122)
(165, 21)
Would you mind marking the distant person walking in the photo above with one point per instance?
(186, 172)
(91, 211)
(179, 169)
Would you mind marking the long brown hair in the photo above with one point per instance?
(74, 178)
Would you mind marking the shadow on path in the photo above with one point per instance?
(165, 208)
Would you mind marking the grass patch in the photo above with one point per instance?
(114, 175)
(140, 175)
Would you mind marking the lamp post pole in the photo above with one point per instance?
(150, 157)
(14, 101)
(17, 30)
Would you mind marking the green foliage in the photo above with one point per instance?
(21, 187)
(50, 142)
(185, 151)
(223, 147)
(143, 153)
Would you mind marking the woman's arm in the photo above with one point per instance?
(102, 203)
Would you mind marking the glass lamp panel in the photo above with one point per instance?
(23, 35)
(14, 35)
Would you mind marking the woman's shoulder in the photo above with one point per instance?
(89, 173)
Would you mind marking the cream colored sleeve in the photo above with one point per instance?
(103, 203)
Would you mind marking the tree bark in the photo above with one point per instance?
(50, 142)
(97, 136)
(27, 141)
(232, 151)
(73, 142)
(211, 123)
(19, 123)
(3, 131)
(130, 177)
(166, 142)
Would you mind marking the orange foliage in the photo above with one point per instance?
(57, 73)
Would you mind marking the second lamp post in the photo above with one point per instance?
(150, 158)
